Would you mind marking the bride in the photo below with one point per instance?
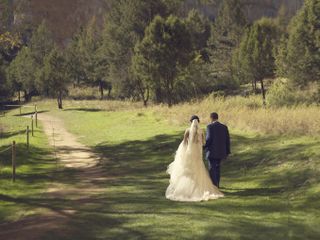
(189, 178)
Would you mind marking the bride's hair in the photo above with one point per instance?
(194, 117)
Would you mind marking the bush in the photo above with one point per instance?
(84, 93)
(281, 94)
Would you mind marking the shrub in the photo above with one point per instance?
(281, 94)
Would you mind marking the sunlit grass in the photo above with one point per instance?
(241, 113)
(33, 167)
(271, 182)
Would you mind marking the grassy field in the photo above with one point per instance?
(33, 168)
(271, 182)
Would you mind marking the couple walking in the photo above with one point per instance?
(189, 179)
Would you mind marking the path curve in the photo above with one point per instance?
(72, 154)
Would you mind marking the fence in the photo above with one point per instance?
(13, 147)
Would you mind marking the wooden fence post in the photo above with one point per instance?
(32, 126)
(13, 161)
(28, 137)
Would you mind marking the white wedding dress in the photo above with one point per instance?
(189, 178)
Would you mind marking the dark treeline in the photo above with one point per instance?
(147, 50)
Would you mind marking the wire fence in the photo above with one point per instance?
(5, 150)
(22, 132)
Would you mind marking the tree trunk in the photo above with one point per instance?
(101, 89)
(27, 96)
(146, 98)
(169, 94)
(109, 92)
(263, 92)
(59, 100)
(19, 96)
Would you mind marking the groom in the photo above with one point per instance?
(217, 147)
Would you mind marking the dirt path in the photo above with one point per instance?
(58, 208)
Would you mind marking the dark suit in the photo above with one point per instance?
(217, 147)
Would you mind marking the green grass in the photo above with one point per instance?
(33, 168)
(271, 183)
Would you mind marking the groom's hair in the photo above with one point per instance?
(214, 116)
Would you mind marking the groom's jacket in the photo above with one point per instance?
(217, 141)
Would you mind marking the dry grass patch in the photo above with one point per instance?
(248, 114)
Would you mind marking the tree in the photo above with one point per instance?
(303, 49)
(9, 43)
(162, 55)
(88, 60)
(241, 61)
(40, 46)
(21, 73)
(56, 75)
(256, 52)
(226, 36)
(124, 27)
(199, 28)
(281, 54)
(3, 80)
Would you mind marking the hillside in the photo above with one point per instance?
(65, 17)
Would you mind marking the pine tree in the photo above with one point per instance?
(199, 28)
(303, 49)
(255, 56)
(165, 50)
(124, 27)
(226, 35)
(40, 46)
(21, 73)
(56, 75)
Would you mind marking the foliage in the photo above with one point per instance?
(55, 74)
(26, 70)
(303, 49)
(226, 35)
(281, 94)
(87, 60)
(21, 73)
(199, 29)
(170, 64)
(255, 55)
(281, 52)
(124, 27)
(160, 57)
(9, 43)
(41, 44)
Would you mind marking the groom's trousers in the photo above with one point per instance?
(214, 170)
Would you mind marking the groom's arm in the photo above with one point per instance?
(228, 142)
(208, 138)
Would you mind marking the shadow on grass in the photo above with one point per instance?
(138, 181)
(29, 113)
(133, 205)
(4, 135)
(32, 165)
(84, 109)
